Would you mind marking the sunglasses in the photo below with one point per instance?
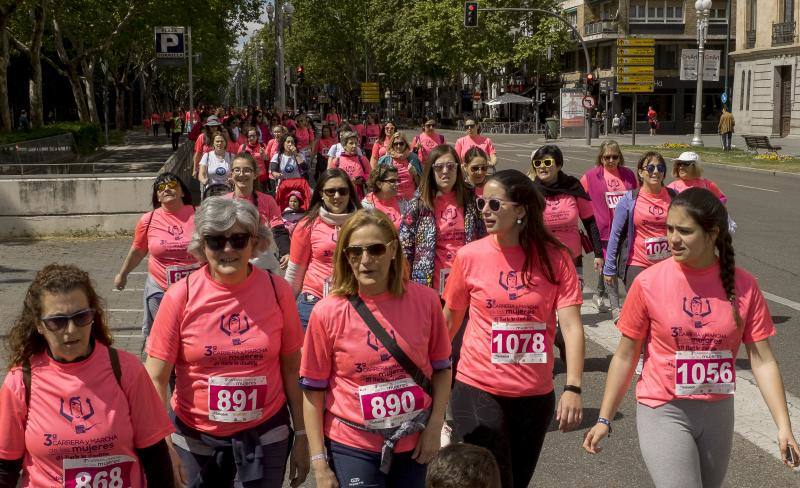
(252, 135)
(684, 163)
(652, 168)
(391, 181)
(81, 318)
(469, 126)
(342, 191)
(439, 167)
(399, 144)
(428, 125)
(217, 242)
(242, 171)
(611, 157)
(543, 163)
(494, 203)
(479, 169)
(167, 185)
(375, 250)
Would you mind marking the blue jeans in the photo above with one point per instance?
(305, 304)
(356, 467)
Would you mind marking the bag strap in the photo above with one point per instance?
(113, 357)
(275, 291)
(391, 345)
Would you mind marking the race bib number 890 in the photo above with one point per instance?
(387, 405)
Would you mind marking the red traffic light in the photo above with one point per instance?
(471, 7)
(590, 77)
(300, 69)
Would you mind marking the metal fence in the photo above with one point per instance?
(55, 149)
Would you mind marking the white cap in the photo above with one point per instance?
(212, 121)
(688, 156)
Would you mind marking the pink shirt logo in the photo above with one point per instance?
(697, 309)
(449, 216)
(234, 326)
(378, 347)
(513, 285)
(78, 415)
(656, 211)
(176, 231)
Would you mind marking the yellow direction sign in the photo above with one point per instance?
(630, 42)
(635, 61)
(643, 79)
(635, 88)
(635, 70)
(636, 51)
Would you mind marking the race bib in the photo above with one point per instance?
(387, 405)
(372, 140)
(326, 286)
(178, 272)
(99, 472)
(656, 248)
(443, 275)
(519, 343)
(236, 399)
(702, 372)
(613, 197)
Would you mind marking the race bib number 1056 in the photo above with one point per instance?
(704, 372)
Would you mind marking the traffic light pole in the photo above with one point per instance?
(577, 35)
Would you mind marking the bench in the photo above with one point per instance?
(754, 143)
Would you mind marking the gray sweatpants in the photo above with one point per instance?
(686, 443)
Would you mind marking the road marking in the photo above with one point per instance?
(127, 289)
(781, 300)
(126, 336)
(124, 310)
(753, 420)
(138, 272)
(756, 188)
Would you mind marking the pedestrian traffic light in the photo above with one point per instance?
(470, 14)
(589, 82)
(301, 74)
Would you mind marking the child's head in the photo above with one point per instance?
(295, 200)
(463, 465)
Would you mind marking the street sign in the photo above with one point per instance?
(724, 98)
(588, 102)
(635, 88)
(169, 42)
(637, 79)
(634, 42)
(370, 92)
(711, 61)
(636, 51)
(635, 70)
(635, 61)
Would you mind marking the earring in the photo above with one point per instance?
(519, 221)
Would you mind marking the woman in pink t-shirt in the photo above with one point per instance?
(474, 138)
(440, 219)
(371, 133)
(259, 153)
(352, 162)
(164, 234)
(381, 145)
(321, 147)
(476, 168)
(383, 183)
(379, 420)
(515, 283)
(425, 141)
(314, 238)
(305, 138)
(691, 312)
(688, 173)
(74, 411)
(408, 165)
(231, 334)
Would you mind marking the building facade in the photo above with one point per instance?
(672, 23)
(766, 68)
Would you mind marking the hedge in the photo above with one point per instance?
(87, 137)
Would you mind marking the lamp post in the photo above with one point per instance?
(702, 7)
(278, 10)
(258, 75)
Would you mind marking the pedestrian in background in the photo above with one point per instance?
(726, 124)
(615, 123)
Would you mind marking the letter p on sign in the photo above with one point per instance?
(169, 42)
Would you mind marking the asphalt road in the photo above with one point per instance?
(766, 242)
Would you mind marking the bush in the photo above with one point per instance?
(87, 136)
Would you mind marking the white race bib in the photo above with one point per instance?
(326, 286)
(178, 272)
(519, 343)
(613, 198)
(236, 399)
(388, 405)
(443, 275)
(105, 471)
(703, 372)
(656, 249)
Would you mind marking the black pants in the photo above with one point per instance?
(176, 137)
(155, 129)
(513, 429)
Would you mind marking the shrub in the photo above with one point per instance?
(87, 136)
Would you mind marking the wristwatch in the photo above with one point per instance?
(573, 389)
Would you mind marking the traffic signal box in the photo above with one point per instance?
(470, 14)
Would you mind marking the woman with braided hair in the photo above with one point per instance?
(692, 312)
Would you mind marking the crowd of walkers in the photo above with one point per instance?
(384, 310)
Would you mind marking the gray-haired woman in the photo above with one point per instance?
(232, 334)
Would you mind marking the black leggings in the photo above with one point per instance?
(512, 428)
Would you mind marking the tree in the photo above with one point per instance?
(34, 24)
(7, 8)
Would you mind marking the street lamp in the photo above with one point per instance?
(702, 7)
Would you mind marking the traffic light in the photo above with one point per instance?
(301, 74)
(470, 14)
(589, 82)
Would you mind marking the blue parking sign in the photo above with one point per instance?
(169, 42)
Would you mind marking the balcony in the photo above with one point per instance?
(600, 27)
(751, 39)
(783, 33)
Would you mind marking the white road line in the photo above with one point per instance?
(138, 272)
(125, 310)
(126, 336)
(127, 289)
(756, 188)
(753, 420)
(781, 300)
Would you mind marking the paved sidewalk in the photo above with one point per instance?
(140, 153)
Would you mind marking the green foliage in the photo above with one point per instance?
(87, 136)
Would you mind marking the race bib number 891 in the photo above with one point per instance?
(236, 399)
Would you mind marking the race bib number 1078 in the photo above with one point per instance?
(523, 342)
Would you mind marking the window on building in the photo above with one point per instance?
(656, 11)
(752, 17)
(604, 57)
(787, 10)
(741, 95)
(666, 56)
(749, 74)
(717, 15)
(571, 16)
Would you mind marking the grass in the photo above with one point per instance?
(735, 157)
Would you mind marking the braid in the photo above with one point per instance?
(727, 271)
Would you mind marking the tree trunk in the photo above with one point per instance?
(35, 56)
(5, 109)
(87, 67)
(119, 106)
(72, 71)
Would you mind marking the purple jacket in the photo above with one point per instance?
(597, 190)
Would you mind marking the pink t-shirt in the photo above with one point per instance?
(680, 185)
(562, 214)
(615, 187)
(325, 145)
(304, 137)
(650, 220)
(508, 341)
(166, 240)
(691, 338)
(450, 236)
(312, 248)
(427, 143)
(354, 165)
(463, 144)
(272, 149)
(390, 207)
(405, 182)
(78, 415)
(259, 153)
(226, 343)
(200, 145)
(267, 208)
(360, 130)
(341, 352)
(372, 131)
(334, 118)
(379, 148)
